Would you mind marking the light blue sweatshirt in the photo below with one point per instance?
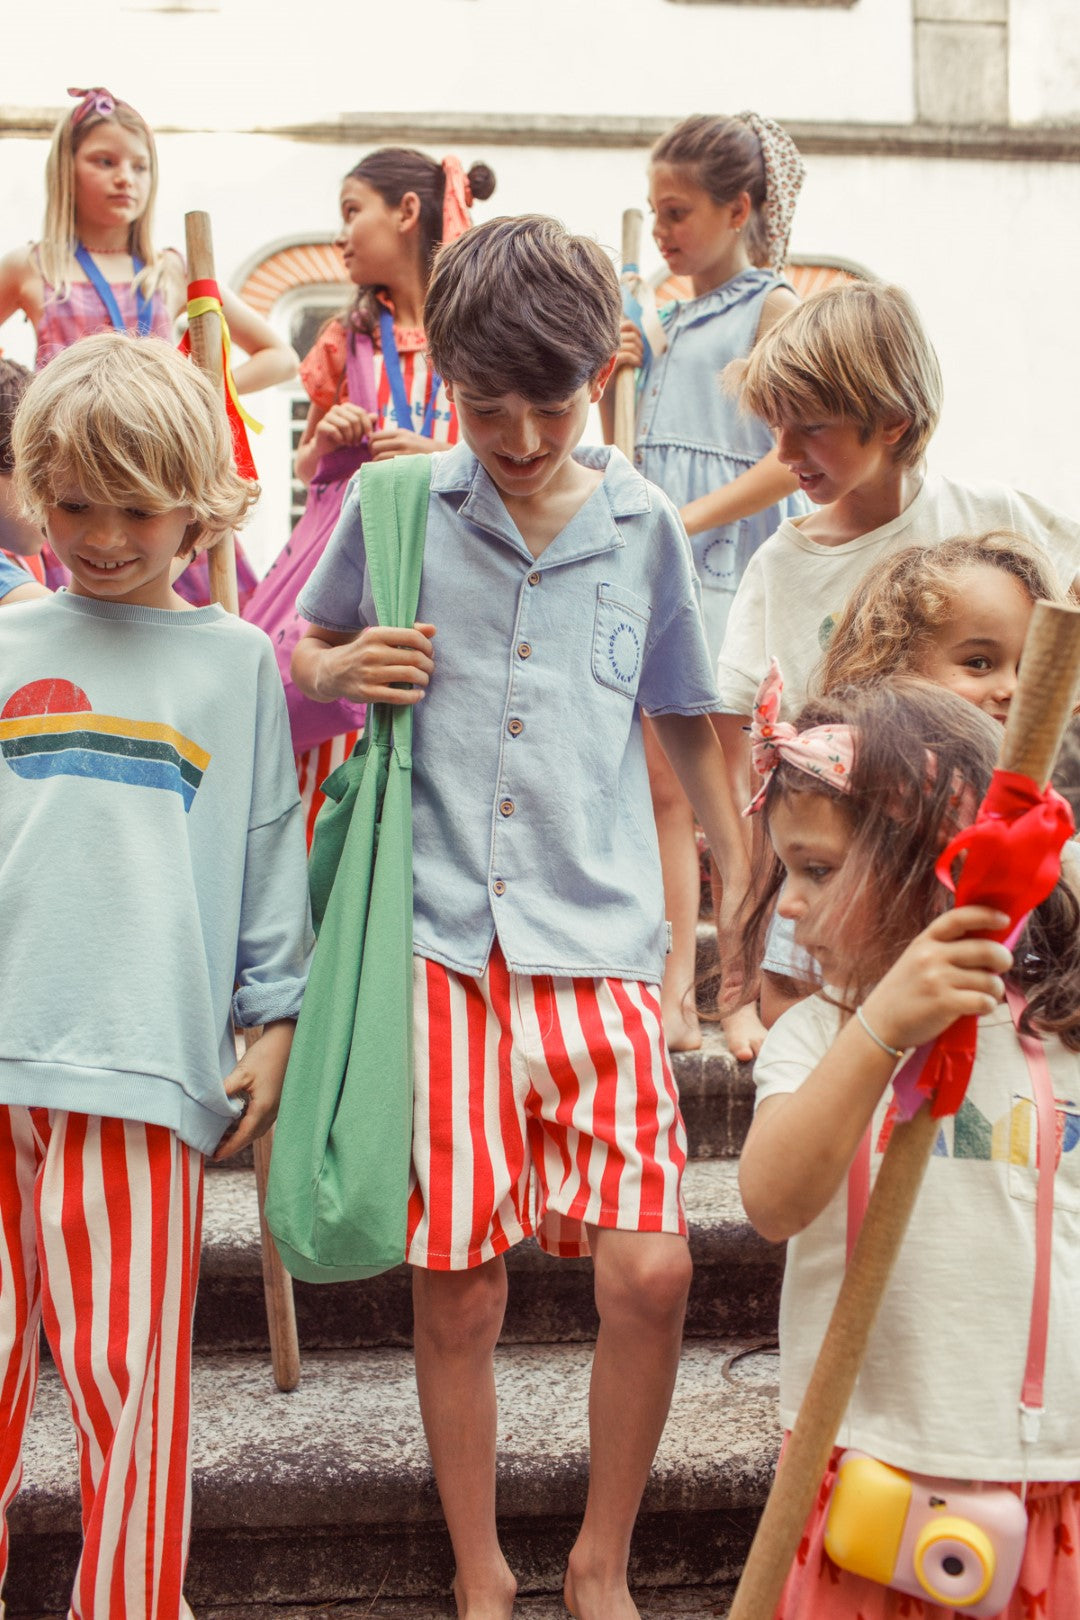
(152, 863)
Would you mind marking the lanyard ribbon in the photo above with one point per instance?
(403, 414)
(639, 306)
(144, 314)
(204, 298)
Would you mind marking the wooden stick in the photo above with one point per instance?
(277, 1284)
(1038, 715)
(625, 403)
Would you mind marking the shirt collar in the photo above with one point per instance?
(457, 476)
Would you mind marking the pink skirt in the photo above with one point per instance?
(1048, 1587)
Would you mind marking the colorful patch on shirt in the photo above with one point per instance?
(49, 728)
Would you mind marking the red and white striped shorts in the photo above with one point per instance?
(542, 1105)
(313, 768)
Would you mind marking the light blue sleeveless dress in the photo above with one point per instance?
(692, 436)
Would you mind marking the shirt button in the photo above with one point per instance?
(498, 887)
(515, 727)
(506, 808)
(524, 650)
(534, 579)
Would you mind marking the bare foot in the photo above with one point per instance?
(595, 1599)
(682, 1031)
(744, 1032)
(495, 1602)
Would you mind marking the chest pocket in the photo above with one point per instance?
(619, 631)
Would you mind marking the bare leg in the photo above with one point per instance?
(642, 1280)
(458, 1317)
(682, 896)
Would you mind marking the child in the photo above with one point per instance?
(145, 776)
(18, 539)
(722, 192)
(859, 854)
(565, 600)
(373, 395)
(96, 266)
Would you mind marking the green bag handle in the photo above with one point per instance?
(393, 508)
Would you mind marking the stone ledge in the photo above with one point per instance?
(1040, 143)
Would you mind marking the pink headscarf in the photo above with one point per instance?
(827, 752)
(784, 175)
(457, 200)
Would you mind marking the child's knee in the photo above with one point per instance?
(644, 1279)
(460, 1310)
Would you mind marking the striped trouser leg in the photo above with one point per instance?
(119, 1207)
(313, 768)
(20, 1300)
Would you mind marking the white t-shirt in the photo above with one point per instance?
(939, 1389)
(794, 590)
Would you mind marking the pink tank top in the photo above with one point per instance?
(80, 311)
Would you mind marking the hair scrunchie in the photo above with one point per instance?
(785, 172)
(457, 199)
(97, 100)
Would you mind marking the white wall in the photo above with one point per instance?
(1044, 60)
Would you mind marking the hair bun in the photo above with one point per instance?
(481, 181)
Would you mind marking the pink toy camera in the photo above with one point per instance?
(957, 1544)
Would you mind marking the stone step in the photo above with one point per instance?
(735, 1291)
(658, 1603)
(325, 1496)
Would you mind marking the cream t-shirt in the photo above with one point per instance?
(794, 590)
(939, 1389)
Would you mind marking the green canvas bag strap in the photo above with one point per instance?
(393, 508)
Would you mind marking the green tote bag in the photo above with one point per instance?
(339, 1175)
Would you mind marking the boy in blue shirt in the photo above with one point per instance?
(153, 888)
(558, 600)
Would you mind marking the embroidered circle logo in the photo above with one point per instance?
(718, 560)
(624, 652)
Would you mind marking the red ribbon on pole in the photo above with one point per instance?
(1012, 861)
(203, 297)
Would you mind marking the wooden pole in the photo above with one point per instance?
(1038, 715)
(625, 403)
(205, 333)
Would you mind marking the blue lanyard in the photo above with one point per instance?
(402, 409)
(143, 309)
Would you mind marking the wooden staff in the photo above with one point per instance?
(1038, 715)
(625, 403)
(205, 333)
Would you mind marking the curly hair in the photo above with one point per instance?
(899, 606)
(901, 815)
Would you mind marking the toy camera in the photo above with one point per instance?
(960, 1545)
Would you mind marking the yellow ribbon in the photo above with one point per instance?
(212, 306)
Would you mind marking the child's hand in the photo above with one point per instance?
(946, 973)
(390, 442)
(369, 669)
(258, 1078)
(631, 351)
(343, 424)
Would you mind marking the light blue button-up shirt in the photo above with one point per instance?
(532, 818)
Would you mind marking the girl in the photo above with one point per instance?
(722, 192)
(861, 795)
(372, 396)
(96, 265)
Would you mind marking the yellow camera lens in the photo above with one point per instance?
(954, 1562)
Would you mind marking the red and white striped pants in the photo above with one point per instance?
(99, 1236)
(541, 1105)
(313, 768)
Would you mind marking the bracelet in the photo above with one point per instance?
(893, 1051)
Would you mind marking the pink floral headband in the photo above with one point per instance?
(827, 752)
(784, 175)
(98, 100)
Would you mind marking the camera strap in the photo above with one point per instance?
(1046, 1153)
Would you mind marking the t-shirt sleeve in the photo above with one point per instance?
(275, 939)
(794, 1046)
(322, 371)
(744, 658)
(676, 676)
(12, 576)
(334, 594)
(1059, 534)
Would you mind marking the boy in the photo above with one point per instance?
(565, 600)
(151, 860)
(850, 385)
(17, 537)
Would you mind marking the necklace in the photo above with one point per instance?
(113, 252)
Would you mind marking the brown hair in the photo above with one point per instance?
(521, 306)
(14, 380)
(896, 609)
(856, 352)
(393, 171)
(901, 817)
(726, 159)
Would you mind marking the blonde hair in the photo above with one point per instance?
(59, 235)
(129, 422)
(856, 352)
(896, 610)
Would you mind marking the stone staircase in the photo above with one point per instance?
(321, 1502)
